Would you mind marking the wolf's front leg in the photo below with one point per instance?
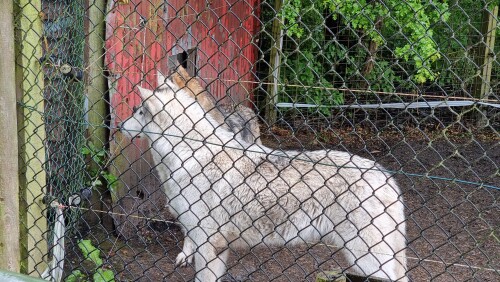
(210, 266)
(185, 257)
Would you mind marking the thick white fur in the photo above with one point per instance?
(229, 194)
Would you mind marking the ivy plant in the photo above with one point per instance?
(99, 176)
(92, 254)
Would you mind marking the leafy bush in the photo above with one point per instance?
(412, 21)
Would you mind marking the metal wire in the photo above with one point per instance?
(283, 79)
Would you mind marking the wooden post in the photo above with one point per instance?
(9, 182)
(484, 59)
(275, 62)
(95, 86)
(32, 176)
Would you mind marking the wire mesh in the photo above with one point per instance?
(283, 139)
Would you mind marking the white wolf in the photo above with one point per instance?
(229, 194)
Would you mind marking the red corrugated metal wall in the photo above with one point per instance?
(140, 36)
(222, 33)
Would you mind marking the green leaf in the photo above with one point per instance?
(75, 276)
(85, 151)
(90, 252)
(104, 275)
(92, 146)
(111, 179)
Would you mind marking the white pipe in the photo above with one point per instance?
(412, 105)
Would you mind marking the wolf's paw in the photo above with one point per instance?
(183, 260)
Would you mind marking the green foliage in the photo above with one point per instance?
(93, 254)
(381, 78)
(104, 275)
(412, 21)
(307, 69)
(99, 175)
(412, 46)
(306, 81)
(455, 38)
(90, 252)
(291, 10)
(76, 276)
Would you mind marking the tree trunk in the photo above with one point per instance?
(369, 64)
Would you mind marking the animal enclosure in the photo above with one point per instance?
(386, 112)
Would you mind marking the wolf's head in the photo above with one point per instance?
(157, 112)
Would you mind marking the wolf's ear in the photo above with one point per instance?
(161, 79)
(144, 93)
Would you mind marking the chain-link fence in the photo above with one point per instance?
(284, 140)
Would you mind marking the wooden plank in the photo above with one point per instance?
(95, 87)
(32, 176)
(9, 182)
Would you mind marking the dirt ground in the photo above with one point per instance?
(453, 227)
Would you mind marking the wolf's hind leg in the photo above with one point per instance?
(185, 257)
(210, 266)
(375, 255)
